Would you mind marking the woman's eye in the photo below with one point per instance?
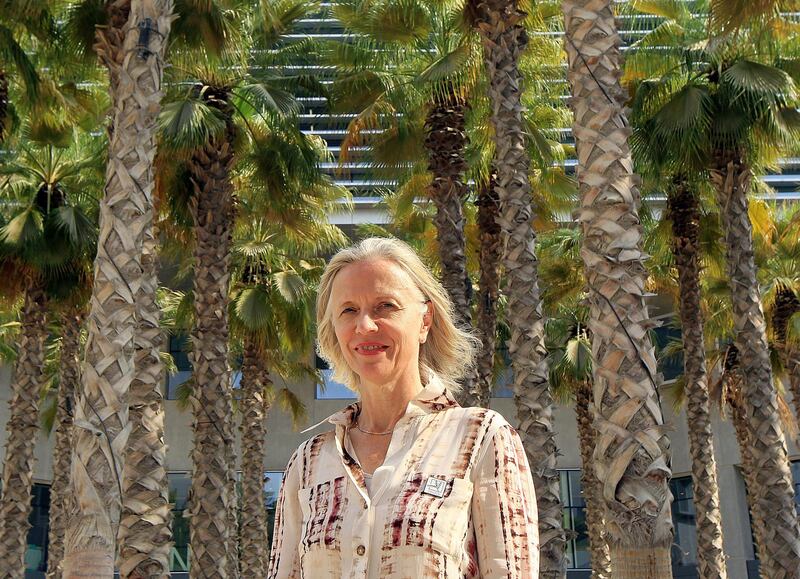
(387, 305)
(348, 310)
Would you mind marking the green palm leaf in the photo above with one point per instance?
(189, 123)
(25, 227)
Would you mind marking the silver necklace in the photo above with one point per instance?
(374, 433)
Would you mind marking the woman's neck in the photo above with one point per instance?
(382, 406)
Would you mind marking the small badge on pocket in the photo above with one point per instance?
(435, 487)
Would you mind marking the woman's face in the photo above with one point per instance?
(380, 318)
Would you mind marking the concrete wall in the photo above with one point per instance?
(283, 439)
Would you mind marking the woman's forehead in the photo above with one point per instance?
(372, 278)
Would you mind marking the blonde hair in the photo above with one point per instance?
(448, 351)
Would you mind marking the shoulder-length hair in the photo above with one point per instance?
(448, 351)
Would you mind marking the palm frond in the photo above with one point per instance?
(189, 123)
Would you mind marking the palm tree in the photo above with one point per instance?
(504, 39)
(225, 114)
(19, 17)
(68, 382)
(739, 107)
(410, 77)
(634, 475)
(133, 55)
(569, 352)
(779, 269)
(47, 243)
(683, 212)
(271, 309)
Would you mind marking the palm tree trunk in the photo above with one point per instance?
(101, 415)
(731, 177)
(145, 536)
(504, 40)
(491, 252)
(787, 305)
(684, 212)
(3, 106)
(733, 400)
(211, 498)
(445, 143)
(60, 493)
(634, 475)
(255, 405)
(595, 525)
(22, 430)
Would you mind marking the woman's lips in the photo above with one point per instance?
(371, 352)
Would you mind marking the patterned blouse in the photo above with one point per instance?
(453, 499)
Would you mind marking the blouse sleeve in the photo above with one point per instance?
(284, 560)
(504, 511)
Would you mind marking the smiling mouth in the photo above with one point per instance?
(371, 349)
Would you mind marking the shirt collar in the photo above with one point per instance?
(434, 397)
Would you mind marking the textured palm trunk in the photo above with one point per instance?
(595, 526)
(60, 493)
(22, 430)
(504, 39)
(3, 105)
(255, 379)
(101, 425)
(632, 454)
(735, 404)
(445, 143)
(731, 177)
(684, 213)
(145, 536)
(211, 498)
(787, 305)
(491, 252)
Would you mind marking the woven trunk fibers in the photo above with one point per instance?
(445, 143)
(632, 454)
(641, 563)
(22, 431)
(255, 381)
(211, 504)
(60, 493)
(684, 212)
(787, 305)
(731, 178)
(101, 424)
(491, 253)
(598, 546)
(145, 537)
(3, 105)
(504, 40)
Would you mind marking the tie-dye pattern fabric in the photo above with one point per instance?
(477, 518)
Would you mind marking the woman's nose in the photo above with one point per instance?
(365, 324)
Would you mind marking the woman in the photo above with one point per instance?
(408, 484)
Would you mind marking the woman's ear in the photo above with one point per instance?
(427, 321)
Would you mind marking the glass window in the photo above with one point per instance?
(684, 545)
(272, 486)
(36, 555)
(330, 389)
(796, 478)
(179, 483)
(178, 349)
(574, 517)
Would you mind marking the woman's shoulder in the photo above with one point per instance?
(474, 414)
(310, 449)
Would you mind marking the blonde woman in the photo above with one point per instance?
(407, 484)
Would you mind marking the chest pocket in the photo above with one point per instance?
(323, 506)
(431, 512)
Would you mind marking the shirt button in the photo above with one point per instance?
(361, 549)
